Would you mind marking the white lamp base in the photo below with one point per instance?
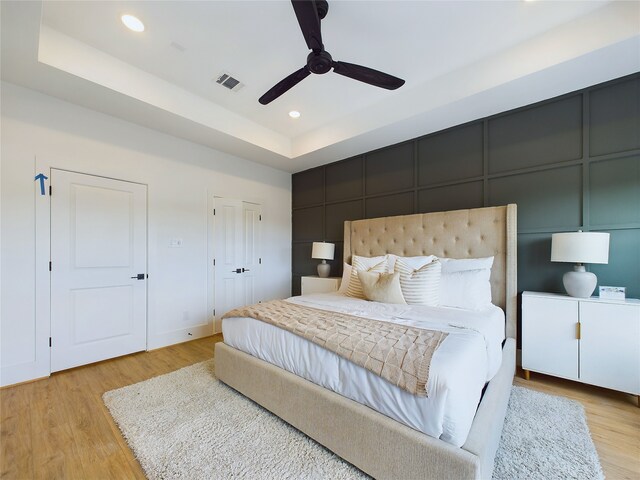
(579, 283)
(324, 269)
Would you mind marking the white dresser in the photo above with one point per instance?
(315, 284)
(590, 340)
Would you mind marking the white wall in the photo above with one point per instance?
(39, 132)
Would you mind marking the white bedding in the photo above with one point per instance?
(464, 362)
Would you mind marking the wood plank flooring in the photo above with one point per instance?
(613, 418)
(59, 428)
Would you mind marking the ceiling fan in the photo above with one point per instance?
(309, 14)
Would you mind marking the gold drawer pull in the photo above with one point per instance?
(578, 336)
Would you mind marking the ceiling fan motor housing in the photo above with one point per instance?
(319, 62)
(322, 6)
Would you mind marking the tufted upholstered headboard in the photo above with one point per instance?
(479, 232)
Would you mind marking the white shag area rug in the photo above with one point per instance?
(189, 425)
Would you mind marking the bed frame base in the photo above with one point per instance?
(376, 444)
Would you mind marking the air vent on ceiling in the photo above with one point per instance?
(226, 80)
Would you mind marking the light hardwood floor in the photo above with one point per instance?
(59, 427)
(613, 418)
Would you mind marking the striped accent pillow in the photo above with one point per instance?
(420, 286)
(364, 264)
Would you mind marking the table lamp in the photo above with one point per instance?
(323, 251)
(580, 248)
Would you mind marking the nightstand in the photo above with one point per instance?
(315, 284)
(589, 340)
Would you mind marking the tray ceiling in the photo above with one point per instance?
(460, 60)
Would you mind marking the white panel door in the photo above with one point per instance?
(251, 214)
(549, 340)
(236, 252)
(98, 248)
(610, 346)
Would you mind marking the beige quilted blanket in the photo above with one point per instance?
(398, 353)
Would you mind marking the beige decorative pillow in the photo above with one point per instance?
(420, 286)
(381, 287)
(367, 264)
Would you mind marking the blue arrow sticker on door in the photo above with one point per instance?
(42, 177)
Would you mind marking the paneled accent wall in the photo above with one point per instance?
(572, 162)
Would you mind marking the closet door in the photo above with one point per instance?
(236, 253)
(251, 215)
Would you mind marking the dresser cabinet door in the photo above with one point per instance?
(549, 341)
(610, 346)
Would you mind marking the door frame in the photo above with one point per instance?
(42, 204)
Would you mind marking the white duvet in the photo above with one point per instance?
(468, 358)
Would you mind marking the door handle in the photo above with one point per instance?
(245, 270)
(237, 270)
(140, 276)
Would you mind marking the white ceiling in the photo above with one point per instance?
(460, 60)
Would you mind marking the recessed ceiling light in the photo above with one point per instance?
(294, 114)
(133, 23)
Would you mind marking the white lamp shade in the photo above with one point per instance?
(323, 250)
(580, 247)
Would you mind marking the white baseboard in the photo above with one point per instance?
(23, 372)
(179, 336)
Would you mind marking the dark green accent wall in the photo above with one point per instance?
(569, 162)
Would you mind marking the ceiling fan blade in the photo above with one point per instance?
(284, 85)
(309, 21)
(368, 75)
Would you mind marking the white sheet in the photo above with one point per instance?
(468, 357)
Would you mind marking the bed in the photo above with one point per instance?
(378, 443)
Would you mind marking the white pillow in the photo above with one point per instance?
(366, 264)
(420, 286)
(450, 265)
(415, 262)
(465, 283)
(346, 275)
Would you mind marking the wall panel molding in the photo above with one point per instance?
(570, 162)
